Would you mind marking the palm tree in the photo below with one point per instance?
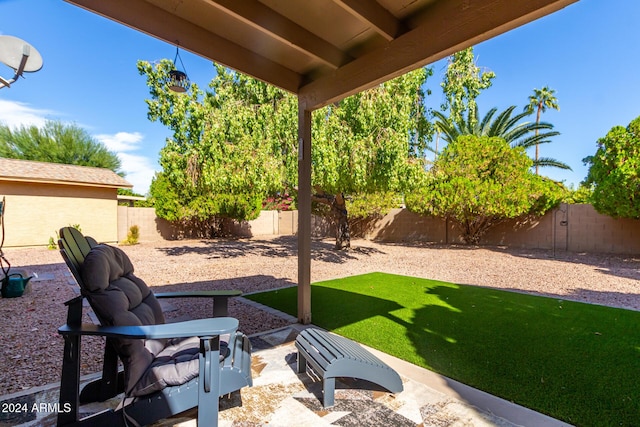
(541, 100)
(511, 128)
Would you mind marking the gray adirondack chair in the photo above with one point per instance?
(168, 368)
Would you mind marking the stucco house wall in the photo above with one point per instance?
(42, 197)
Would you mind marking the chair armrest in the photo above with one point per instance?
(199, 294)
(190, 328)
(220, 298)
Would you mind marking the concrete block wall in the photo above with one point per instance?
(268, 223)
(574, 228)
(401, 225)
(590, 231)
(288, 222)
(151, 228)
(534, 232)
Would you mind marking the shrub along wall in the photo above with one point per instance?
(574, 228)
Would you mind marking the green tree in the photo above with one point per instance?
(513, 129)
(237, 143)
(370, 147)
(582, 194)
(614, 172)
(223, 158)
(56, 142)
(462, 84)
(146, 203)
(541, 100)
(479, 181)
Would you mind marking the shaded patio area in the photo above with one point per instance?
(281, 397)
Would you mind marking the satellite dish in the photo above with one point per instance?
(20, 56)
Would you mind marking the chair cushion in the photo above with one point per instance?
(175, 365)
(114, 292)
(119, 298)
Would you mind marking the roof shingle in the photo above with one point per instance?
(57, 173)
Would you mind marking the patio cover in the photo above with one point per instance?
(322, 51)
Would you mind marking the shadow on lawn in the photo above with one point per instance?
(548, 353)
(336, 308)
(539, 352)
(282, 246)
(428, 327)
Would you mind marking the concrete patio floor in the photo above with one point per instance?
(281, 397)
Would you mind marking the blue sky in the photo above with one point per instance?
(587, 52)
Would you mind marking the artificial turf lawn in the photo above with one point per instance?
(576, 362)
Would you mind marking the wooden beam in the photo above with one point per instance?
(445, 28)
(304, 214)
(375, 15)
(271, 23)
(157, 22)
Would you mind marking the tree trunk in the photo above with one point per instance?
(338, 216)
(339, 212)
(537, 122)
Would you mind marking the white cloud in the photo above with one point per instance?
(15, 114)
(139, 170)
(121, 141)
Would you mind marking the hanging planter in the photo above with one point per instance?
(178, 81)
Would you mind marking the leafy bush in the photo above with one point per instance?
(546, 194)
(52, 245)
(132, 236)
(481, 181)
(614, 172)
(279, 202)
(372, 205)
(580, 195)
(238, 206)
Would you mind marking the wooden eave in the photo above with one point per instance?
(323, 50)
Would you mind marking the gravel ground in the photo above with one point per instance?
(31, 350)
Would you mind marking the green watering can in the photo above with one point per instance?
(13, 285)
